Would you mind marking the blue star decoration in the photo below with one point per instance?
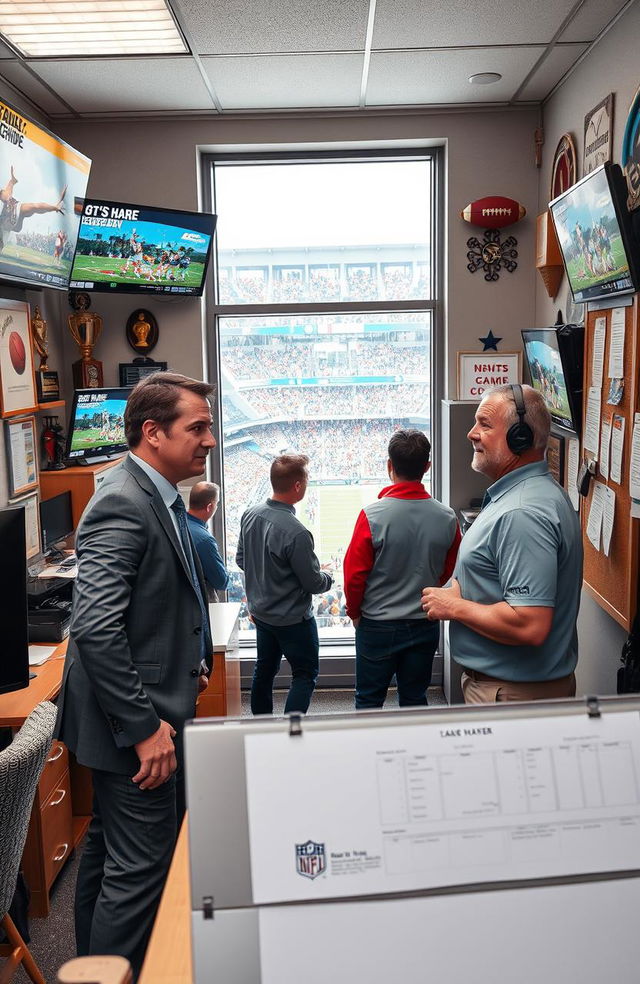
(490, 342)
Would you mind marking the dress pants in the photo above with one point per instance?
(479, 688)
(124, 866)
(300, 646)
(404, 647)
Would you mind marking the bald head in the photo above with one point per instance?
(203, 499)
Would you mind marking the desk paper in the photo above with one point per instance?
(594, 524)
(617, 447)
(607, 519)
(333, 814)
(573, 463)
(599, 338)
(616, 344)
(40, 654)
(591, 439)
(634, 477)
(605, 441)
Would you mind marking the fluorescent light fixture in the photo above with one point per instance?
(93, 28)
(484, 78)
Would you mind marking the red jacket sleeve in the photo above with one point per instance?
(451, 558)
(358, 561)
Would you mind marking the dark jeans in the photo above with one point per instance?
(404, 647)
(299, 645)
(123, 867)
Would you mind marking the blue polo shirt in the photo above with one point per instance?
(524, 548)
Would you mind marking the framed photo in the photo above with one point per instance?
(479, 371)
(30, 504)
(555, 458)
(17, 380)
(22, 454)
(598, 126)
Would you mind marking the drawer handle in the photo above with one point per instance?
(59, 857)
(54, 758)
(60, 798)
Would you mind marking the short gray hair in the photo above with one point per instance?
(536, 413)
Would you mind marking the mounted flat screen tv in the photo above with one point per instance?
(42, 185)
(96, 428)
(554, 358)
(137, 249)
(595, 235)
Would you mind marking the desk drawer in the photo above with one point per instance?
(56, 764)
(57, 829)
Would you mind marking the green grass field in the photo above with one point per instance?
(91, 438)
(30, 259)
(335, 514)
(105, 268)
(579, 273)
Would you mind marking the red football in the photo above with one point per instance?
(17, 353)
(493, 212)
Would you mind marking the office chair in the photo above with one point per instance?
(20, 766)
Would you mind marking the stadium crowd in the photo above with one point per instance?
(307, 358)
(350, 282)
(373, 400)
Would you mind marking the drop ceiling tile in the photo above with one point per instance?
(399, 78)
(592, 17)
(420, 24)
(15, 73)
(558, 61)
(127, 85)
(285, 81)
(245, 26)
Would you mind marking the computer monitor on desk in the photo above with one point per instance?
(56, 522)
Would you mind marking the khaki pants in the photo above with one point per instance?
(478, 688)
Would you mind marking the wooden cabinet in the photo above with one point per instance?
(222, 696)
(81, 481)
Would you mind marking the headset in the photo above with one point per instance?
(520, 435)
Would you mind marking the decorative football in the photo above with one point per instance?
(493, 212)
(17, 353)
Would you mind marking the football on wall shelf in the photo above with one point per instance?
(493, 212)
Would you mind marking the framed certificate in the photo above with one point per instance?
(21, 448)
(17, 380)
(30, 505)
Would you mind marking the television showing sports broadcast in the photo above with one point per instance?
(139, 249)
(42, 184)
(593, 231)
(96, 429)
(554, 360)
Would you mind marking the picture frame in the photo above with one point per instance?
(22, 454)
(598, 131)
(142, 331)
(555, 458)
(17, 377)
(564, 170)
(479, 371)
(31, 503)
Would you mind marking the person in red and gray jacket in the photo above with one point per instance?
(401, 543)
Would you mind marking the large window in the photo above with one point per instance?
(324, 326)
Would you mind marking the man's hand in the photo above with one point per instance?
(157, 756)
(356, 621)
(438, 603)
(203, 683)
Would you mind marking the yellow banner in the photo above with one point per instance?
(31, 131)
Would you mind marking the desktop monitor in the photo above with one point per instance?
(96, 428)
(554, 358)
(138, 249)
(56, 520)
(595, 234)
(14, 661)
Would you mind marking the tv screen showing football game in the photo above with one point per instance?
(592, 236)
(139, 249)
(548, 376)
(96, 429)
(42, 185)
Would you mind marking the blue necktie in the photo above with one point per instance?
(185, 538)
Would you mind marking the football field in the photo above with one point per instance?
(105, 268)
(330, 512)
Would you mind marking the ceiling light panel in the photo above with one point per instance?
(53, 28)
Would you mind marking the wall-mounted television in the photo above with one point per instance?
(42, 185)
(96, 427)
(595, 234)
(139, 249)
(554, 358)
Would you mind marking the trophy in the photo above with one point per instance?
(86, 328)
(47, 382)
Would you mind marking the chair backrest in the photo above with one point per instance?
(20, 766)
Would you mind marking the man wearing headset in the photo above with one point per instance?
(515, 592)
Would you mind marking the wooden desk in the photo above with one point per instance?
(222, 696)
(168, 958)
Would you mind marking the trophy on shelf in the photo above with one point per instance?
(86, 328)
(47, 382)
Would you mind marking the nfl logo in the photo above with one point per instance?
(310, 859)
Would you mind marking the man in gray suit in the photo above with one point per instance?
(138, 654)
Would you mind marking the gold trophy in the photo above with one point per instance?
(46, 379)
(86, 328)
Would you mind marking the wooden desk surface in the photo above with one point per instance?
(17, 706)
(168, 959)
